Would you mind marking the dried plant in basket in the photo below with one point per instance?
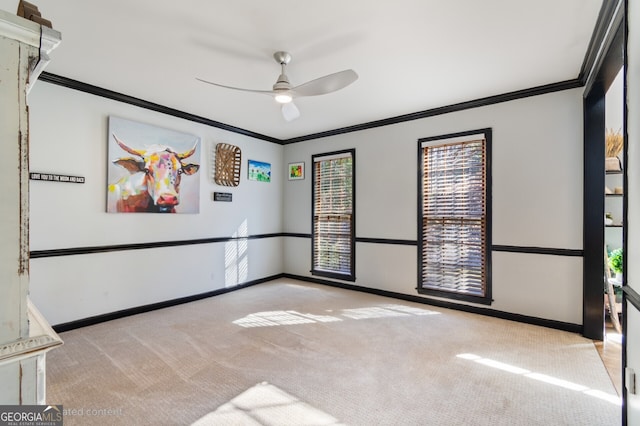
(614, 143)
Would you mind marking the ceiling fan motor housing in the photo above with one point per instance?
(283, 58)
(282, 83)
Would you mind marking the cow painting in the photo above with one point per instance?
(152, 179)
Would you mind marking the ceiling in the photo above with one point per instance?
(410, 55)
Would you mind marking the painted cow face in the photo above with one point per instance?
(163, 169)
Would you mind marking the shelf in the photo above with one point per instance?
(613, 226)
(613, 195)
(613, 172)
(614, 282)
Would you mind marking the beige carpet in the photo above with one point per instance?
(265, 404)
(348, 357)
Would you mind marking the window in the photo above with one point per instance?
(333, 240)
(454, 219)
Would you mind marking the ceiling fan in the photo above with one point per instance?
(284, 93)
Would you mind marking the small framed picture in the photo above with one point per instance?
(296, 171)
(259, 171)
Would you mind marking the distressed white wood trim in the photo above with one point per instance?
(31, 34)
(49, 40)
(22, 348)
(25, 336)
(26, 55)
(41, 384)
(41, 339)
(20, 29)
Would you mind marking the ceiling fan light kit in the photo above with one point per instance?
(284, 93)
(283, 98)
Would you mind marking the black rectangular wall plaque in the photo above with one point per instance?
(56, 178)
(222, 196)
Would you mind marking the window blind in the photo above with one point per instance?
(333, 214)
(454, 219)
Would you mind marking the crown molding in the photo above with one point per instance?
(16, 28)
(120, 97)
(490, 100)
(609, 18)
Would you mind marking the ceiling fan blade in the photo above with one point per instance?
(327, 84)
(264, 92)
(290, 111)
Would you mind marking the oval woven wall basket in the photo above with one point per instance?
(227, 165)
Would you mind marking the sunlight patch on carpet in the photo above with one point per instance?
(613, 399)
(273, 318)
(266, 405)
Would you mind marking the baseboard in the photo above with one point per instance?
(72, 325)
(558, 325)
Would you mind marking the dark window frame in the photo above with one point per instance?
(485, 299)
(322, 272)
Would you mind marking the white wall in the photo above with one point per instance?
(537, 167)
(537, 201)
(614, 100)
(69, 137)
